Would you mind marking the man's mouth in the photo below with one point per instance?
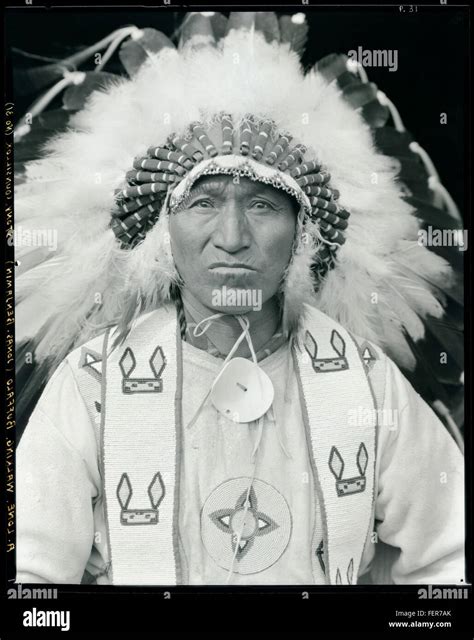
(230, 267)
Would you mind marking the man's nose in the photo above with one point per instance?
(231, 232)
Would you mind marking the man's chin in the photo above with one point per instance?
(234, 311)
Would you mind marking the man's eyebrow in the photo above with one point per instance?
(214, 187)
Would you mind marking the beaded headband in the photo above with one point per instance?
(254, 150)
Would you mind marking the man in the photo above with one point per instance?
(223, 429)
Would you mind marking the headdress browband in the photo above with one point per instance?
(159, 172)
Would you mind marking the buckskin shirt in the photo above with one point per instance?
(353, 474)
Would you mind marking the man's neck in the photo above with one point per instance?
(224, 331)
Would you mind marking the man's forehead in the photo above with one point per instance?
(222, 184)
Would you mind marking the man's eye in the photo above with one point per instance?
(203, 203)
(261, 204)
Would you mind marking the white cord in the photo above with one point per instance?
(453, 428)
(386, 102)
(436, 186)
(69, 78)
(247, 504)
(76, 77)
(133, 32)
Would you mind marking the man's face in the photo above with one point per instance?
(233, 237)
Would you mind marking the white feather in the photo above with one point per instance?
(72, 189)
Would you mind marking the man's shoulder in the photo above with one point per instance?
(314, 317)
(98, 347)
(372, 355)
(95, 344)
